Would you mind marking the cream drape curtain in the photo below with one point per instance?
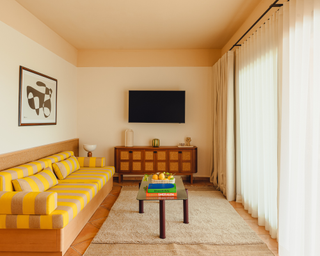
(257, 72)
(223, 171)
(299, 205)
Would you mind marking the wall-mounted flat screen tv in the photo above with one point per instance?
(156, 106)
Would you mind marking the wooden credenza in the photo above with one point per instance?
(147, 160)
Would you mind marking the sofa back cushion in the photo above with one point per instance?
(59, 157)
(21, 171)
(28, 203)
(36, 183)
(92, 161)
(64, 168)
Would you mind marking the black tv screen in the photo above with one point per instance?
(156, 106)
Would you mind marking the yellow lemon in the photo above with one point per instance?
(161, 176)
(155, 177)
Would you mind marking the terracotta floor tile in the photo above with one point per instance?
(115, 190)
(244, 214)
(101, 212)
(82, 247)
(260, 230)
(236, 205)
(109, 201)
(265, 238)
(71, 252)
(88, 232)
(271, 243)
(98, 223)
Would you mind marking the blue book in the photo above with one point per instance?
(162, 188)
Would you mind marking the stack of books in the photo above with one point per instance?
(161, 190)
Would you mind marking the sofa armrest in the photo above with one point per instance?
(28, 202)
(92, 161)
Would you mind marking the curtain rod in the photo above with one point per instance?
(271, 6)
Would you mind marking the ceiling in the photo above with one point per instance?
(143, 24)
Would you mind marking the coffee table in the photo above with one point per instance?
(182, 194)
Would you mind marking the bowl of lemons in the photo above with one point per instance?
(163, 177)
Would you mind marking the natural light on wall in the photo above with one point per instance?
(257, 84)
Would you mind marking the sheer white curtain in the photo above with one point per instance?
(223, 167)
(299, 205)
(257, 122)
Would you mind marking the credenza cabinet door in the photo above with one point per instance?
(161, 161)
(124, 161)
(130, 161)
(186, 161)
(149, 161)
(181, 161)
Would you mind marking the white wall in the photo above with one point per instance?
(15, 50)
(102, 109)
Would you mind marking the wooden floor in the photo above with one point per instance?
(89, 231)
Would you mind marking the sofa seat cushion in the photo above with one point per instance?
(36, 183)
(71, 199)
(100, 176)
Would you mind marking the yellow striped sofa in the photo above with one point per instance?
(32, 198)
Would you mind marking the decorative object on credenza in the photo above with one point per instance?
(155, 143)
(89, 149)
(188, 140)
(37, 98)
(129, 138)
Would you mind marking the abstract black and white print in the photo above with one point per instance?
(38, 97)
(40, 100)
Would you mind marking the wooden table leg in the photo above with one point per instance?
(119, 178)
(162, 211)
(141, 206)
(191, 179)
(186, 210)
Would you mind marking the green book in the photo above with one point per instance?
(162, 188)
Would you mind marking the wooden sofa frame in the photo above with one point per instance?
(48, 242)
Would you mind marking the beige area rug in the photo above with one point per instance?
(212, 220)
(177, 250)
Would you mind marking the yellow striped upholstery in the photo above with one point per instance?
(27, 202)
(99, 176)
(72, 198)
(20, 171)
(92, 161)
(72, 193)
(36, 183)
(59, 157)
(64, 168)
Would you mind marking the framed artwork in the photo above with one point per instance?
(37, 98)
